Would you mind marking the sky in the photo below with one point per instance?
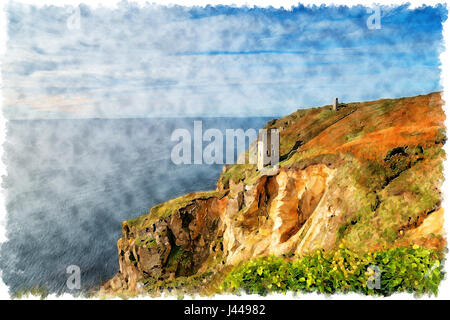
(135, 61)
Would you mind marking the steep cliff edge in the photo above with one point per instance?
(364, 177)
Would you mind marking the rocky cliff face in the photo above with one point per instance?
(353, 189)
(268, 217)
(175, 245)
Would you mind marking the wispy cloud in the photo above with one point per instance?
(154, 60)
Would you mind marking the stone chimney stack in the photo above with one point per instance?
(335, 104)
(268, 148)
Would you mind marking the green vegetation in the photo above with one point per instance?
(175, 257)
(145, 242)
(179, 261)
(354, 135)
(238, 172)
(38, 291)
(165, 209)
(393, 197)
(180, 285)
(408, 269)
(385, 106)
(326, 113)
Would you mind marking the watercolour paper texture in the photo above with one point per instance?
(217, 149)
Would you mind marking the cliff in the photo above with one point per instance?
(366, 177)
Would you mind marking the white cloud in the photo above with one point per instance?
(159, 61)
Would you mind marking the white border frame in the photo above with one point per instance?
(444, 289)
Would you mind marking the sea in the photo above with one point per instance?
(70, 184)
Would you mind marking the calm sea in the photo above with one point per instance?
(71, 183)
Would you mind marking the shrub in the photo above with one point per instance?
(408, 269)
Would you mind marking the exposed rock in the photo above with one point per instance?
(173, 246)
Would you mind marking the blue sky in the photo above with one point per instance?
(157, 61)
